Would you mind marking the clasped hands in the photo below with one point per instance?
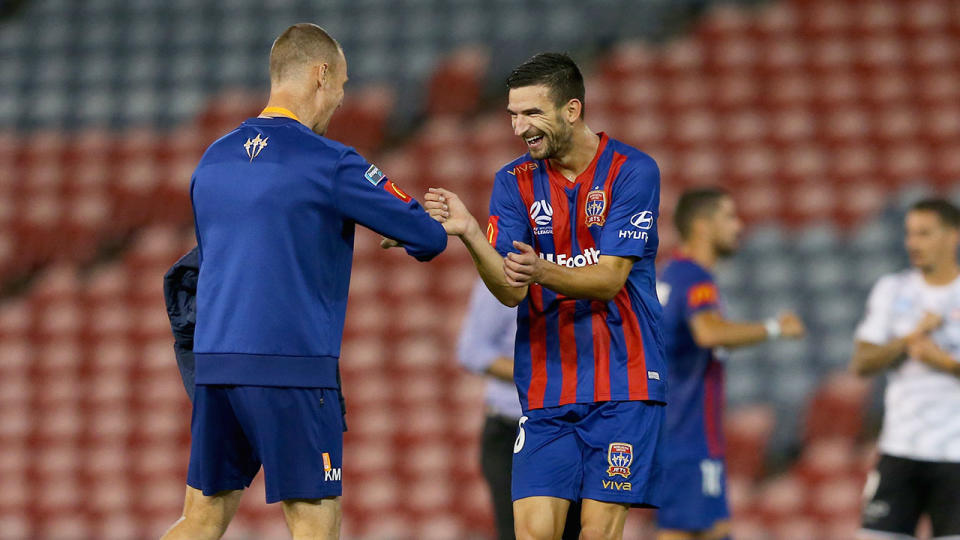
(921, 347)
(520, 268)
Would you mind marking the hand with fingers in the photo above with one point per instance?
(790, 325)
(523, 268)
(387, 243)
(447, 208)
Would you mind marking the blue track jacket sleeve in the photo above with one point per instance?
(365, 195)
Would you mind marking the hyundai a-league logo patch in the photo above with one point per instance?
(619, 456)
(595, 208)
(374, 175)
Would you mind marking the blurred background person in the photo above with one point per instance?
(696, 335)
(485, 347)
(911, 331)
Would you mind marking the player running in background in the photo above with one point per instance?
(572, 240)
(275, 205)
(912, 329)
(695, 330)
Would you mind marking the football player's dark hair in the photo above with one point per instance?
(948, 212)
(556, 71)
(696, 203)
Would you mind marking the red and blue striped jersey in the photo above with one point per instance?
(694, 419)
(580, 350)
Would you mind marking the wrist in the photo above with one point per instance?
(772, 327)
(472, 235)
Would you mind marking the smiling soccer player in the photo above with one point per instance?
(571, 240)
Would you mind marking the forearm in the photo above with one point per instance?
(869, 358)
(942, 360)
(732, 334)
(596, 282)
(502, 369)
(489, 265)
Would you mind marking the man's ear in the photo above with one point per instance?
(573, 110)
(322, 70)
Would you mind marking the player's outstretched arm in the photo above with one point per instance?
(447, 208)
(711, 329)
(870, 358)
(601, 281)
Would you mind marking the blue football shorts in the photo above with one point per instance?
(695, 498)
(606, 451)
(296, 434)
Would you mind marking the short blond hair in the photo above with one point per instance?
(298, 46)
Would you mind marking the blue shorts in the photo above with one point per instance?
(295, 433)
(604, 451)
(695, 499)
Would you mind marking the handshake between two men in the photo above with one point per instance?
(516, 271)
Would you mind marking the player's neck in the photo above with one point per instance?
(282, 102)
(582, 150)
(701, 253)
(943, 274)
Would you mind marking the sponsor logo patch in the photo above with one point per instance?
(374, 175)
(541, 213)
(702, 294)
(523, 167)
(493, 230)
(330, 474)
(642, 220)
(595, 208)
(395, 190)
(619, 486)
(635, 235)
(619, 457)
(589, 257)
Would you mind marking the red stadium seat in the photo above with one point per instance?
(66, 527)
(747, 431)
(782, 497)
(826, 459)
(456, 85)
(837, 408)
(796, 528)
(361, 121)
(838, 498)
(626, 59)
(749, 528)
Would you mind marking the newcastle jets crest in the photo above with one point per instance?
(619, 456)
(595, 207)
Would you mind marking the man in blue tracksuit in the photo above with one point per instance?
(275, 205)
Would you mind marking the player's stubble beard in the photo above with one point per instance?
(556, 143)
(726, 248)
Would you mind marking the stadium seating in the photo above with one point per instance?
(822, 118)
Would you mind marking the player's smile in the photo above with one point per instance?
(535, 141)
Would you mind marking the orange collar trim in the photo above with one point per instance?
(280, 111)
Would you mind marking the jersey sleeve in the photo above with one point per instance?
(634, 209)
(508, 220)
(701, 296)
(875, 326)
(365, 195)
